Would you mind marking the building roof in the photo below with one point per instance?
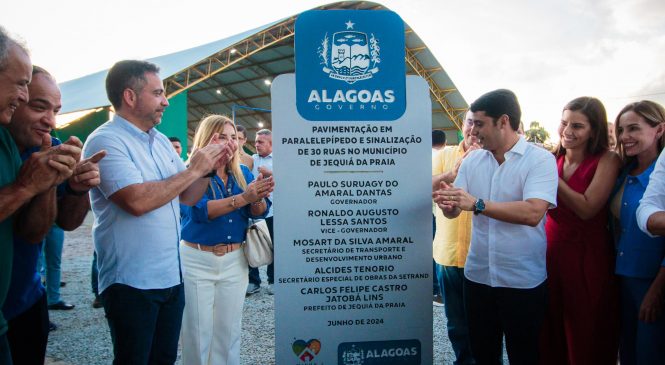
(238, 70)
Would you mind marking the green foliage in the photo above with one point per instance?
(536, 133)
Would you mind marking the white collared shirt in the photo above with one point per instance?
(263, 162)
(653, 200)
(506, 254)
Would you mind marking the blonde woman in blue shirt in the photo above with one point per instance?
(213, 263)
(640, 263)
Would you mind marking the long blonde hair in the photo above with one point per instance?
(210, 125)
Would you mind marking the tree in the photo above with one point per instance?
(536, 133)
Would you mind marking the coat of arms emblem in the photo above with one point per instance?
(353, 356)
(350, 55)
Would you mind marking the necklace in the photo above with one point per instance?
(229, 185)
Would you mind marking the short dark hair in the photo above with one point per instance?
(594, 110)
(127, 74)
(497, 103)
(174, 139)
(241, 128)
(438, 137)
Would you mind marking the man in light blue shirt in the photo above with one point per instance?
(137, 215)
(263, 166)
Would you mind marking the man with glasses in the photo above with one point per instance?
(451, 243)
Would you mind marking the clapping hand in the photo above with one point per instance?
(449, 197)
(471, 148)
(266, 172)
(86, 174)
(228, 150)
(206, 159)
(259, 189)
(49, 166)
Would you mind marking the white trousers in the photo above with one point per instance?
(214, 296)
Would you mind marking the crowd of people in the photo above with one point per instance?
(157, 281)
(562, 253)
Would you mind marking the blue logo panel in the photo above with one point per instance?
(403, 352)
(350, 65)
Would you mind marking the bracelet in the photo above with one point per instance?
(233, 202)
(70, 191)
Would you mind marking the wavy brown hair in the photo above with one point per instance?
(595, 112)
(652, 113)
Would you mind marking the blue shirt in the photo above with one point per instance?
(26, 286)
(228, 228)
(638, 255)
(141, 252)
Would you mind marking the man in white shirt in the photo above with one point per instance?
(651, 212)
(263, 165)
(509, 185)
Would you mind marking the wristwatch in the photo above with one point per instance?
(478, 207)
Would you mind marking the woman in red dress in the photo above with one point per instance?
(581, 321)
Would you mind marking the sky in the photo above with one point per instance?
(547, 51)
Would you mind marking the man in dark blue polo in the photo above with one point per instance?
(27, 191)
(26, 307)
